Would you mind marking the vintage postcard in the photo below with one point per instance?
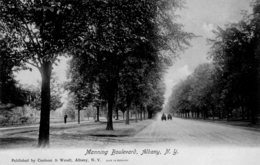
(104, 82)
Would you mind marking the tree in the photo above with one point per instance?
(229, 86)
(121, 30)
(195, 94)
(43, 30)
(132, 82)
(83, 92)
(10, 92)
(157, 99)
(234, 52)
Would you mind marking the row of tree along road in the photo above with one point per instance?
(228, 87)
(118, 50)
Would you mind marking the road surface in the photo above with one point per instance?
(171, 132)
(197, 133)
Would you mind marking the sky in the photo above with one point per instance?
(199, 17)
(33, 77)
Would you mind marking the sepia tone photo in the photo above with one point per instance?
(130, 82)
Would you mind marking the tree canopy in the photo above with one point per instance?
(131, 45)
(40, 32)
(229, 86)
(106, 39)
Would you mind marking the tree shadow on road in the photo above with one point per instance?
(8, 142)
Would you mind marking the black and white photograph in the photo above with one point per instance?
(129, 82)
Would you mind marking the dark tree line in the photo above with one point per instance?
(10, 92)
(108, 41)
(126, 54)
(229, 86)
(42, 31)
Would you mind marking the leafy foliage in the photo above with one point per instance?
(129, 44)
(229, 87)
(56, 95)
(40, 32)
(10, 92)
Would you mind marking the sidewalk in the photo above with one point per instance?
(240, 124)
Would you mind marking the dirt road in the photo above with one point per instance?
(197, 133)
(171, 132)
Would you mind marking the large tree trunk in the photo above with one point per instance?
(112, 90)
(205, 114)
(127, 121)
(150, 114)
(79, 108)
(110, 114)
(97, 113)
(141, 113)
(44, 130)
(128, 106)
